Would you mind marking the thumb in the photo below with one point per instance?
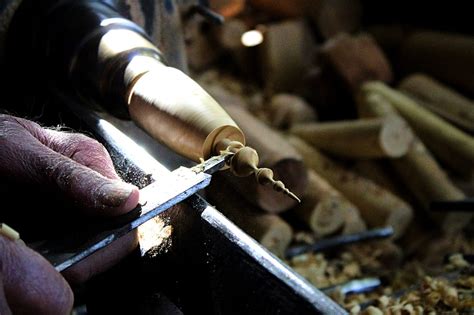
(29, 283)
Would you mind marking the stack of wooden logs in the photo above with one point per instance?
(363, 144)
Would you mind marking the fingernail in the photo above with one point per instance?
(115, 194)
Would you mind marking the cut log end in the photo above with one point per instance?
(327, 217)
(277, 239)
(396, 137)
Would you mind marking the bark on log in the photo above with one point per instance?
(355, 59)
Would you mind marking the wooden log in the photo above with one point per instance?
(363, 138)
(268, 229)
(284, 61)
(428, 182)
(440, 99)
(326, 211)
(378, 172)
(356, 59)
(447, 57)
(418, 166)
(419, 170)
(372, 105)
(377, 206)
(453, 146)
(275, 153)
(286, 110)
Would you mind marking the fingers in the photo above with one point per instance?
(30, 284)
(76, 166)
(82, 149)
(72, 164)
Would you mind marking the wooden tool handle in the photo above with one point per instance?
(176, 111)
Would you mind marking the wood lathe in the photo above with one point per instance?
(102, 58)
(104, 70)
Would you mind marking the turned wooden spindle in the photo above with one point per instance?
(244, 162)
(275, 153)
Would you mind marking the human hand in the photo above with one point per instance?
(79, 168)
(29, 284)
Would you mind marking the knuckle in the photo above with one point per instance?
(88, 151)
(85, 143)
(74, 145)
